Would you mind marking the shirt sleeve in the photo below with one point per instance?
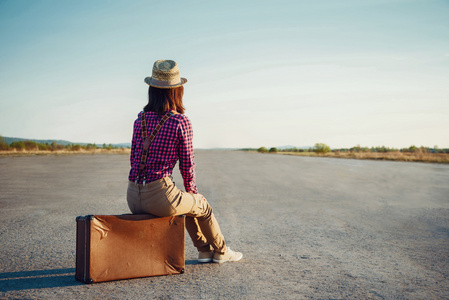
(136, 137)
(133, 143)
(186, 155)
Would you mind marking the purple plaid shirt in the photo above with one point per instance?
(173, 142)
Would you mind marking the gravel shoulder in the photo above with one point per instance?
(309, 228)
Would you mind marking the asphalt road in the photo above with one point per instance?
(309, 228)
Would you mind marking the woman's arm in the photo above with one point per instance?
(134, 142)
(186, 155)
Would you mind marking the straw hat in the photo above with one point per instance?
(165, 75)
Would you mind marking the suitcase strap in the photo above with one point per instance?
(147, 140)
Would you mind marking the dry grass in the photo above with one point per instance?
(15, 152)
(393, 156)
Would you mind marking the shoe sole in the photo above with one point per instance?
(205, 260)
(220, 261)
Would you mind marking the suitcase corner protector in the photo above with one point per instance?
(84, 218)
(88, 280)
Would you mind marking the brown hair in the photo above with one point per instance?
(160, 100)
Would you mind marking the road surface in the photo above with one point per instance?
(309, 228)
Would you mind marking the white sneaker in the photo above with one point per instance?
(205, 257)
(228, 256)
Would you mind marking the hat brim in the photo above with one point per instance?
(162, 84)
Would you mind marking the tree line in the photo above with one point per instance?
(53, 146)
(323, 148)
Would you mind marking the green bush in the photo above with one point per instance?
(273, 150)
(321, 148)
(262, 150)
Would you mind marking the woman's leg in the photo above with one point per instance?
(203, 226)
(162, 198)
(208, 227)
(197, 237)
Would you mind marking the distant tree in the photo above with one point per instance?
(91, 146)
(262, 150)
(18, 145)
(42, 147)
(57, 146)
(356, 148)
(321, 148)
(360, 149)
(437, 150)
(412, 149)
(30, 145)
(424, 149)
(382, 149)
(273, 150)
(3, 144)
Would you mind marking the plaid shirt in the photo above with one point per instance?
(173, 142)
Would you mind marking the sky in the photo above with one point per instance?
(260, 73)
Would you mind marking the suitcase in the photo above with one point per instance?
(128, 246)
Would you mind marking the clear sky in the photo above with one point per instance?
(261, 73)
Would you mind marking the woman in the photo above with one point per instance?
(151, 189)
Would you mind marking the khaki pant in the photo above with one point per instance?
(162, 198)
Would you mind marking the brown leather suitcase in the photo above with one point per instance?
(128, 246)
